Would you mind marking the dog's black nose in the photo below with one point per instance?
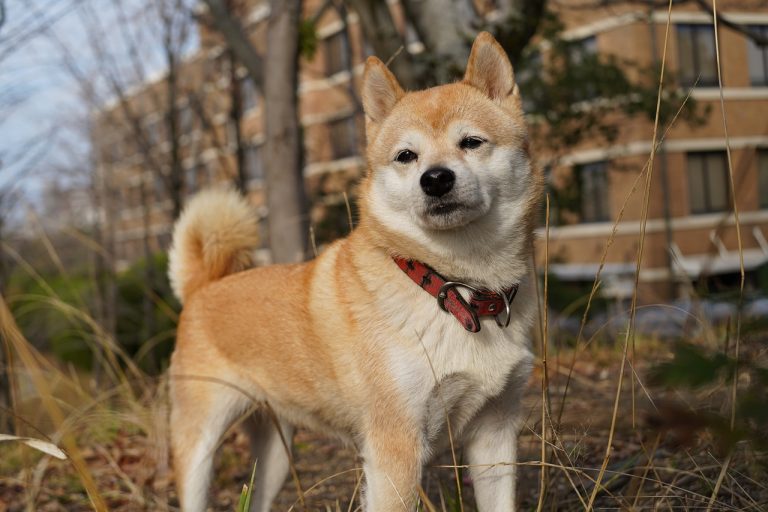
(437, 181)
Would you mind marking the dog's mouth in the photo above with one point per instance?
(448, 214)
(441, 209)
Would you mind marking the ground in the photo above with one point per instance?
(129, 463)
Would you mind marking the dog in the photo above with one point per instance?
(413, 329)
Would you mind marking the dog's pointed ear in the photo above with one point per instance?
(380, 90)
(489, 69)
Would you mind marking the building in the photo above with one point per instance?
(219, 133)
(690, 234)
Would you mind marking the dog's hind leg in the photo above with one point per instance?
(200, 414)
(271, 452)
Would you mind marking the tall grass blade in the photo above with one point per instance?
(38, 444)
(11, 333)
(640, 250)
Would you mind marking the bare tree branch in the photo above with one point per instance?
(380, 31)
(724, 21)
(236, 39)
(518, 22)
(277, 77)
(705, 6)
(129, 116)
(235, 119)
(171, 47)
(443, 27)
(2, 13)
(32, 27)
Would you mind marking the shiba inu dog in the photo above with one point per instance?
(414, 326)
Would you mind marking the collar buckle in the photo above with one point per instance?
(442, 294)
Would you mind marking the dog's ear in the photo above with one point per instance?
(489, 69)
(380, 90)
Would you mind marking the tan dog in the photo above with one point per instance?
(349, 343)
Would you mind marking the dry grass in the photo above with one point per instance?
(120, 439)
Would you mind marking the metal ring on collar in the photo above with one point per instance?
(508, 307)
(442, 294)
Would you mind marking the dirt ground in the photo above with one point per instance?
(681, 476)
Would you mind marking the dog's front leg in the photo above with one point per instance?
(392, 464)
(491, 444)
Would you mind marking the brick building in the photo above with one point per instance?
(220, 133)
(690, 234)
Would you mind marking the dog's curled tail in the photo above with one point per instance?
(213, 237)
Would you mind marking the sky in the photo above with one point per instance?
(43, 112)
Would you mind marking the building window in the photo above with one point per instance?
(248, 94)
(336, 53)
(254, 164)
(528, 75)
(343, 133)
(696, 55)
(708, 182)
(758, 57)
(762, 178)
(582, 53)
(580, 50)
(592, 180)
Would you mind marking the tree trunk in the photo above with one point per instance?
(380, 32)
(443, 27)
(234, 35)
(518, 23)
(176, 177)
(283, 145)
(236, 118)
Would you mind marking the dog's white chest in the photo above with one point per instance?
(449, 371)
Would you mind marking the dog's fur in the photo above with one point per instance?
(347, 343)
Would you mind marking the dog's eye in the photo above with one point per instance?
(470, 142)
(406, 156)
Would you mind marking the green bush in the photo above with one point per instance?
(53, 312)
(147, 330)
(42, 306)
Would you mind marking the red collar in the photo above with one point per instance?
(481, 302)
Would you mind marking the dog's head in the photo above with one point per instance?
(451, 159)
